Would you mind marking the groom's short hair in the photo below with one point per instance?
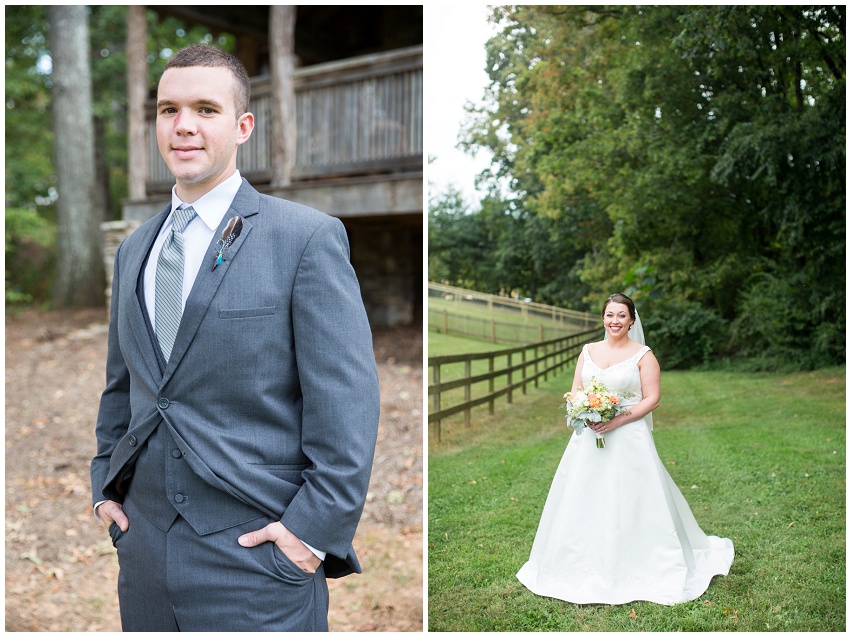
(204, 54)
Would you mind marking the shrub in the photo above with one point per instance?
(682, 333)
(30, 260)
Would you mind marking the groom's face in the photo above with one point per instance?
(198, 130)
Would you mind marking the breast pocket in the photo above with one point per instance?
(247, 313)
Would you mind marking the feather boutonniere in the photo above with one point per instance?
(229, 235)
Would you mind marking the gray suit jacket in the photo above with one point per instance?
(271, 391)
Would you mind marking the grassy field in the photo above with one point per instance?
(447, 344)
(759, 457)
(503, 315)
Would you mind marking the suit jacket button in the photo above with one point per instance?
(132, 441)
(176, 453)
(179, 498)
(163, 403)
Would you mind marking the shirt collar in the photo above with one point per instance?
(213, 205)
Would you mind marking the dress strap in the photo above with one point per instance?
(638, 355)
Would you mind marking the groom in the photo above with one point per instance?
(238, 424)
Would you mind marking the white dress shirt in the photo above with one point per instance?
(210, 209)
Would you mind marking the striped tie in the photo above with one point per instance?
(169, 284)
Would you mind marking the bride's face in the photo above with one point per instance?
(616, 319)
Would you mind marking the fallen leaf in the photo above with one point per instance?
(632, 614)
(473, 482)
(32, 557)
(790, 524)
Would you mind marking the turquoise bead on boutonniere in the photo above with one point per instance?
(229, 235)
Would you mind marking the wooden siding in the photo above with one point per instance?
(358, 116)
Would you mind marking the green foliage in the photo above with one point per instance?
(705, 144)
(30, 176)
(683, 333)
(29, 244)
(759, 457)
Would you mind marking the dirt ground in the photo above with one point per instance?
(61, 569)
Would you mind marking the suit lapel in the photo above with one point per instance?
(138, 320)
(246, 204)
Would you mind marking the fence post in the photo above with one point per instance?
(445, 321)
(509, 380)
(435, 379)
(467, 374)
(523, 369)
(493, 331)
(537, 355)
(490, 383)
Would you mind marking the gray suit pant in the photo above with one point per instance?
(179, 580)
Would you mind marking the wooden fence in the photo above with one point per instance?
(493, 331)
(513, 368)
(464, 300)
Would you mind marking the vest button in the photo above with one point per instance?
(132, 441)
(179, 498)
(176, 453)
(163, 403)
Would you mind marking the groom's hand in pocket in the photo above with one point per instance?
(288, 543)
(109, 512)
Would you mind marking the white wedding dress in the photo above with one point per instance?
(615, 527)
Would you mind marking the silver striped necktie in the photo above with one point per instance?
(169, 283)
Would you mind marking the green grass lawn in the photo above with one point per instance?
(759, 457)
(446, 344)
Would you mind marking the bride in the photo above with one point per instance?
(615, 527)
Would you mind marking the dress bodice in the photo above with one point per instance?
(621, 378)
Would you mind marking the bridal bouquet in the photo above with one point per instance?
(594, 404)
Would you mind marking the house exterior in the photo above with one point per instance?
(350, 79)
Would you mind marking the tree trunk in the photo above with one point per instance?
(101, 201)
(79, 263)
(137, 89)
(282, 63)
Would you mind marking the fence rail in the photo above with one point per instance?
(527, 309)
(536, 360)
(446, 322)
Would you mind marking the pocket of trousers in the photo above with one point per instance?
(115, 533)
(288, 568)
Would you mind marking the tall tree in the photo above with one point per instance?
(693, 156)
(80, 270)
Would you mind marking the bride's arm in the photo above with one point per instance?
(577, 375)
(651, 382)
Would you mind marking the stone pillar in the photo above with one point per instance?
(113, 233)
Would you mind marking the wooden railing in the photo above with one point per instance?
(513, 368)
(357, 116)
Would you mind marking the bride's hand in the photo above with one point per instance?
(603, 427)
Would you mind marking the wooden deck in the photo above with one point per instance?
(355, 117)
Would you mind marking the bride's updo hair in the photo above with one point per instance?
(617, 297)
